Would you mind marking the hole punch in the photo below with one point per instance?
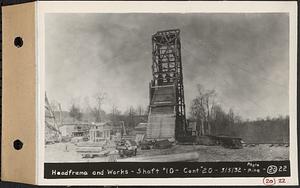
(18, 144)
(18, 42)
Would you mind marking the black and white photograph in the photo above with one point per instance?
(166, 87)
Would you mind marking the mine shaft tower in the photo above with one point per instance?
(166, 88)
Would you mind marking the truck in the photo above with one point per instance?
(127, 148)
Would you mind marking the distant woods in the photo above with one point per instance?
(96, 111)
(90, 109)
(203, 108)
(205, 111)
(211, 118)
(75, 113)
(215, 120)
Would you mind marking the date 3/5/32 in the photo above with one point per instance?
(231, 170)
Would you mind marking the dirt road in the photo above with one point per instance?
(65, 152)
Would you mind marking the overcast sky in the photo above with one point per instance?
(244, 57)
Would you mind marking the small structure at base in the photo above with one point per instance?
(67, 130)
(100, 132)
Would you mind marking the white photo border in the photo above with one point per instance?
(44, 7)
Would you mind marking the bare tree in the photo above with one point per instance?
(86, 105)
(54, 105)
(115, 113)
(75, 113)
(140, 110)
(130, 116)
(231, 117)
(201, 108)
(238, 119)
(99, 97)
(219, 120)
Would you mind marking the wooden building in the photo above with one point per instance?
(100, 132)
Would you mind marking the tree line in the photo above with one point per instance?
(93, 112)
(214, 120)
(204, 110)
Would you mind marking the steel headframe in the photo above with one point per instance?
(167, 70)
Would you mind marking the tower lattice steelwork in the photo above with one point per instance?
(167, 72)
